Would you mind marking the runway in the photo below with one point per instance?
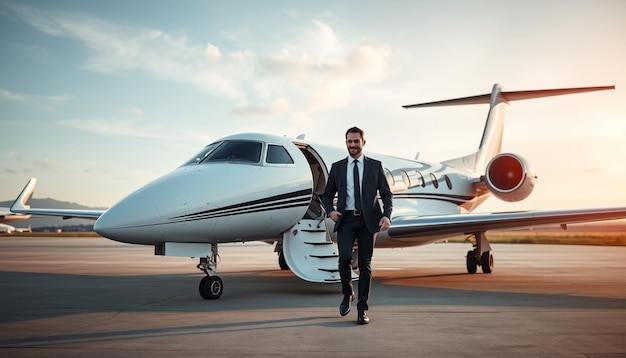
(77, 297)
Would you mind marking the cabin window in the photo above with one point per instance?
(433, 179)
(448, 181)
(405, 178)
(277, 154)
(237, 151)
(420, 179)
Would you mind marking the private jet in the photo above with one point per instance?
(7, 228)
(261, 187)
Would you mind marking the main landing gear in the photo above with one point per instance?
(481, 255)
(211, 286)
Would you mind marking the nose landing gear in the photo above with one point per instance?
(211, 287)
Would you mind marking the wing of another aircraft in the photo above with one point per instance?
(20, 206)
(451, 225)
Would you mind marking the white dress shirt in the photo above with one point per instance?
(350, 181)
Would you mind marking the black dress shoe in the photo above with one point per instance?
(362, 318)
(344, 307)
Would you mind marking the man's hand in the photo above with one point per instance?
(384, 223)
(334, 215)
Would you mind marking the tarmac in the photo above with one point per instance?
(78, 297)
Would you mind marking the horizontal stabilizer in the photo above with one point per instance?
(508, 96)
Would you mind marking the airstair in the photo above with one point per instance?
(310, 253)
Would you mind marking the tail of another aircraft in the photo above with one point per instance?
(491, 141)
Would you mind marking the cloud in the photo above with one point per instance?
(116, 127)
(276, 108)
(212, 52)
(137, 127)
(56, 100)
(136, 111)
(325, 70)
(28, 166)
(329, 69)
(46, 165)
(322, 43)
(47, 102)
(366, 64)
(10, 96)
(114, 48)
(293, 68)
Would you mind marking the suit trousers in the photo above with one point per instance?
(353, 228)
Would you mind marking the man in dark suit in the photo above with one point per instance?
(357, 180)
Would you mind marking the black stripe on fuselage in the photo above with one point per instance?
(277, 202)
(454, 199)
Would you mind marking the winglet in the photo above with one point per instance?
(20, 203)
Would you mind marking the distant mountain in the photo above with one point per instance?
(48, 203)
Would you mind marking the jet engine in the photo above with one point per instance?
(509, 177)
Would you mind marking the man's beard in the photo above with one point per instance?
(355, 151)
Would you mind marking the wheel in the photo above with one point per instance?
(211, 287)
(486, 261)
(282, 262)
(471, 263)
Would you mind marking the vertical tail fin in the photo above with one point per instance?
(491, 141)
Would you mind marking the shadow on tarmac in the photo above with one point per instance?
(29, 296)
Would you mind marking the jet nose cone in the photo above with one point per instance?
(103, 225)
(143, 217)
(127, 220)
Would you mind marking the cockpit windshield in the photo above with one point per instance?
(206, 151)
(237, 150)
(231, 150)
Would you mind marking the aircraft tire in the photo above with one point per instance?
(486, 261)
(471, 263)
(282, 263)
(211, 287)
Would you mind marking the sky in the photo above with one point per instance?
(97, 98)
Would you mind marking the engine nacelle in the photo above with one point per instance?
(509, 177)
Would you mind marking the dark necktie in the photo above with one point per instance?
(357, 187)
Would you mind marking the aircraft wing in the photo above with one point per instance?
(461, 224)
(64, 213)
(20, 206)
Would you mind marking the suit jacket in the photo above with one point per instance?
(374, 182)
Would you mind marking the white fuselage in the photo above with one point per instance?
(231, 200)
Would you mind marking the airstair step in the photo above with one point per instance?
(313, 230)
(319, 243)
(309, 252)
(324, 256)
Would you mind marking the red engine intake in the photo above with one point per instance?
(509, 177)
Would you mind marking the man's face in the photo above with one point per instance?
(355, 143)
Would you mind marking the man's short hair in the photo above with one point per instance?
(355, 130)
